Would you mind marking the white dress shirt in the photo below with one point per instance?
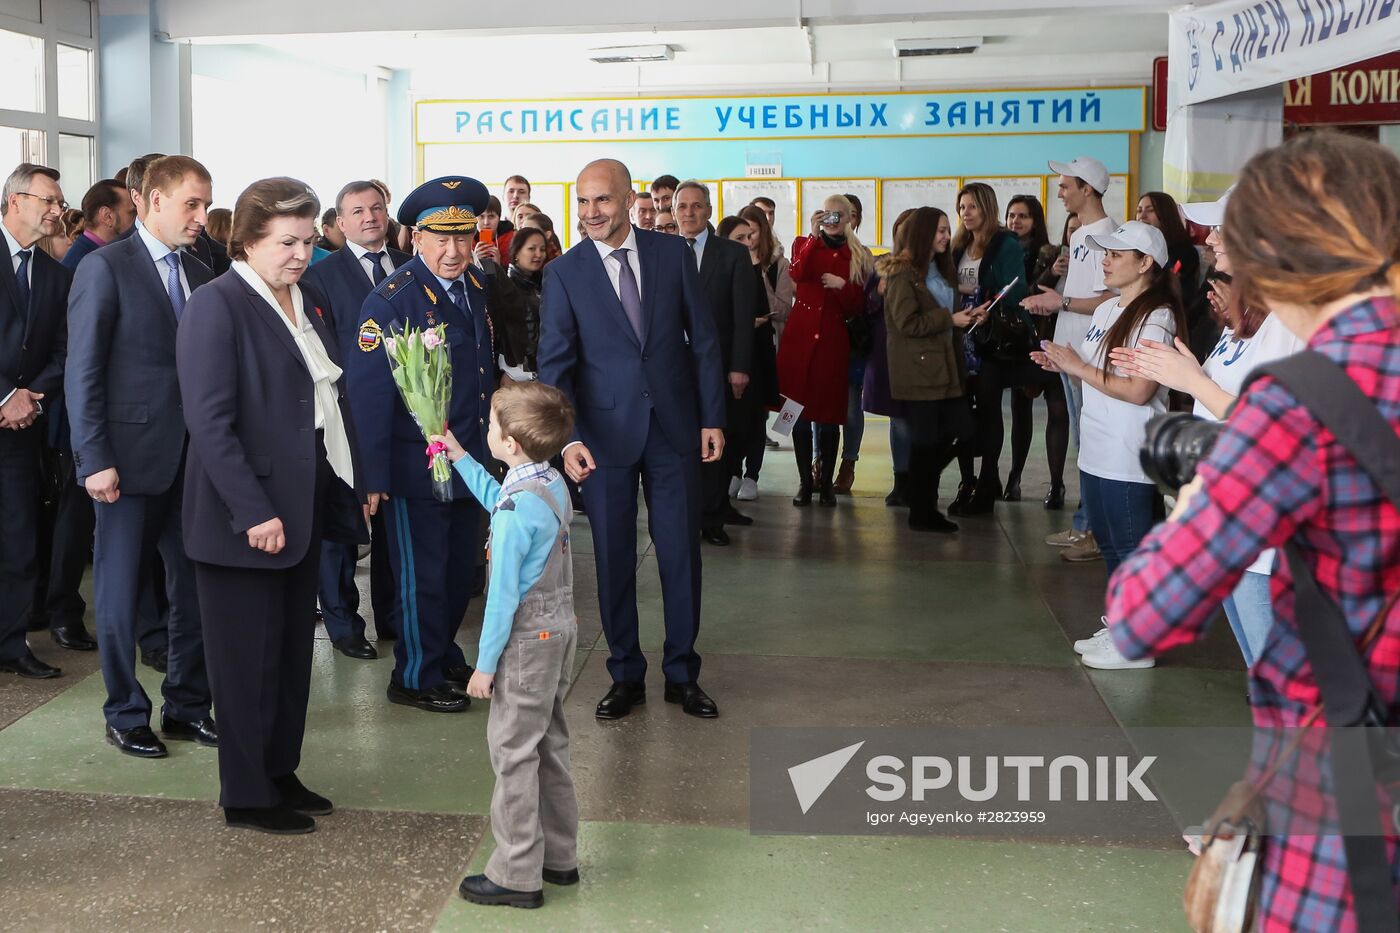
(701, 239)
(324, 373)
(366, 263)
(614, 268)
(159, 251)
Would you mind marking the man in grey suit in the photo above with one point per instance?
(129, 449)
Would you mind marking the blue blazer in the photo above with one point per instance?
(590, 352)
(391, 443)
(252, 416)
(122, 392)
(81, 246)
(341, 279)
(33, 340)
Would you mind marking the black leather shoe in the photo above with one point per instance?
(620, 699)
(965, 493)
(280, 820)
(692, 699)
(459, 676)
(158, 659)
(480, 889)
(1055, 498)
(984, 501)
(356, 647)
(140, 742)
(439, 699)
(1012, 492)
(297, 797)
(561, 878)
(804, 496)
(716, 536)
(733, 516)
(827, 497)
(74, 637)
(203, 731)
(26, 665)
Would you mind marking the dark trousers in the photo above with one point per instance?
(129, 532)
(64, 544)
(19, 518)
(337, 593)
(260, 628)
(671, 485)
(714, 477)
(433, 549)
(383, 593)
(750, 460)
(828, 439)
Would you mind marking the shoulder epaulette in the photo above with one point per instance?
(397, 283)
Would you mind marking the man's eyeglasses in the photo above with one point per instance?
(48, 202)
(668, 228)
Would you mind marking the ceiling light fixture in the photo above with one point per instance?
(631, 53)
(920, 48)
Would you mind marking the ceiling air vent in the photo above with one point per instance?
(920, 48)
(631, 53)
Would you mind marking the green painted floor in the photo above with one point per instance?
(811, 618)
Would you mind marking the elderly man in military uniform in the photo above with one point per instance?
(433, 545)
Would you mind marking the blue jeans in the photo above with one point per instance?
(900, 444)
(1251, 614)
(854, 428)
(1074, 401)
(1120, 515)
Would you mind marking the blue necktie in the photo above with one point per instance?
(376, 272)
(172, 284)
(458, 292)
(22, 280)
(629, 294)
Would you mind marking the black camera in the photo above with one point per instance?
(1176, 444)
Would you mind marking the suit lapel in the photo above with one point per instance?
(144, 268)
(273, 319)
(7, 272)
(646, 258)
(197, 274)
(39, 282)
(602, 286)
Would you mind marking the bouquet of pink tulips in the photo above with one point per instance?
(421, 362)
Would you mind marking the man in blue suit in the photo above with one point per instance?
(627, 336)
(33, 296)
(129, 437)
(433, 545)
(345, 278)
(108, 214)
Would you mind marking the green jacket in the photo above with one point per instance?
(924, 360)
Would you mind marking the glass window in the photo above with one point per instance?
(74, 83)
(75, 166)
(17, 145)
(21, 72)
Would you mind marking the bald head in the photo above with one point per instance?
(604, 196)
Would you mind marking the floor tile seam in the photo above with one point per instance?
(74, 682)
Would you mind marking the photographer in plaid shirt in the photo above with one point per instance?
(1313, 235)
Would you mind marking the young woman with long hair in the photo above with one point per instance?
(1161, 211)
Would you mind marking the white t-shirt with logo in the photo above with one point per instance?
(1111, 431)
(1232, 360)
(1084, 279)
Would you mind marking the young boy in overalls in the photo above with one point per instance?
(526, 651)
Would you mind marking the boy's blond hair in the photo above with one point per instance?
(538, 416)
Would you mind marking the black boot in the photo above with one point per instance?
(984, 499)
(1055, 498)
(964, 497)
(828, 438)
(899, 496)
(1012, 491)
(804, 496)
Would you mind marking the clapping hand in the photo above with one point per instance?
(1172, 366)
(1057, 358)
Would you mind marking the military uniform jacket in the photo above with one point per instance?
(391, 443)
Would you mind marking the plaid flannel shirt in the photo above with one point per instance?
(1274, 475)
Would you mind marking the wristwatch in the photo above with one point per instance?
(1064, 303)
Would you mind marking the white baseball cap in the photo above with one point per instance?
(1091, 171)
(1134, 234)
(1208, 213)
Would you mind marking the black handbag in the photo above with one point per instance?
(1006, 334)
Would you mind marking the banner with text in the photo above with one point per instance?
(1220, 49)
(952, 113)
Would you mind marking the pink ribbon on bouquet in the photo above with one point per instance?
(435, 448)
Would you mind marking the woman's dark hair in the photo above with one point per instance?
(493, 206)
(1040, 236)
(917, 235)
(1064, 233)
(1169, 222)
(763, 245)
(727, 225)
(260, 203)
(220, 224)
(522, 237)
(1163, 291)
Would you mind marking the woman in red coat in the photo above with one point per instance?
(829, 268)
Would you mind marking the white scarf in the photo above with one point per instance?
(324, 373)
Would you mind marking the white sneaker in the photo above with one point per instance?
(1105, 657)
(733, 487)
(1085, 645)
(1067, 538)
(748, 490)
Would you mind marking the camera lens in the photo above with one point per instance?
(1175, 445)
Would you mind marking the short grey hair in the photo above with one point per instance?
(18, 182)
(699, 186)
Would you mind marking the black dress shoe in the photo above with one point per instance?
(827, 497)
(1055, 498)
(140, 742)
(459, 676)
(935, 523)
(480, 889)
(804, 496)
(74, 637)
(356, 647)
(561, 878)
(733, 516)
(692, 699)
(26, 665)
(439, 699)
(716, 536)
(620, 699)
(203, 731)
(1012, 492)
(280, 820)
(297, 797)
(158, 660)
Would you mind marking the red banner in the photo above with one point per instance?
(1366, 92)
(1159, 94)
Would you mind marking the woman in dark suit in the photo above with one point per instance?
(271, 461)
